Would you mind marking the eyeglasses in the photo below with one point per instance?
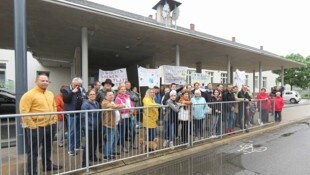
(91, 94)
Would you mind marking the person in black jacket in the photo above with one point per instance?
(242, 107)
(229, 114)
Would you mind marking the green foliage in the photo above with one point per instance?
(297, 76)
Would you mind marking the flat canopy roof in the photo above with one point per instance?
(118, 38)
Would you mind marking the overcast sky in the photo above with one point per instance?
(280, 26)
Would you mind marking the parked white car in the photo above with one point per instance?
(291, 96)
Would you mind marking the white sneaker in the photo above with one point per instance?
(165, 143)
(171, 145)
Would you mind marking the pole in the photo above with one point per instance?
(21, 79)
(84, 41)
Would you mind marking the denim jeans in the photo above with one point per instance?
(169, 130)
(111, 140)
(152, 133)
(124, 130)
(74, 128)
(214, 121)
(132, 129)
(230, 120)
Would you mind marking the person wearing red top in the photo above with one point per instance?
(61, 125)
(263, 104)
(279, 103)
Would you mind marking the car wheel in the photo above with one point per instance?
(293, 100)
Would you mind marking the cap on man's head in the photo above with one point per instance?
(173, 92)
(108, 81)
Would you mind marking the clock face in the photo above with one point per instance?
(166, 10)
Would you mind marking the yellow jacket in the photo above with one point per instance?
(38, 100)
(150, 115)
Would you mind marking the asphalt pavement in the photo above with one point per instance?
(213, 156)
(279, 152)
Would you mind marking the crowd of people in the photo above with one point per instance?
(112, 116)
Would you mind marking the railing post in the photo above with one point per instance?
(191, 120)
(189, 107)
(260, 113)
(221, 121)
(243, 122)
(86, 140)
(147, 133)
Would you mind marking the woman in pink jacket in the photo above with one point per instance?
(123, 98)
(279, 103)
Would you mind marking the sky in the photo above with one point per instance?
(280, 26)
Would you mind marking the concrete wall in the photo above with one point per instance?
(57, 76)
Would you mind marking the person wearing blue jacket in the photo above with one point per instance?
(94, 122)
(199, 113)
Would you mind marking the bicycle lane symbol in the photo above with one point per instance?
(248, 148)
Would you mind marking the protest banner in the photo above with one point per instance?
(239, 78)
(148, 77)
(173, 74)
(117, 76)
(199, 77)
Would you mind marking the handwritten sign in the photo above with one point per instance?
(117, 76)
(239, 78)
(148, 77)
(173, 74)
(199, 77)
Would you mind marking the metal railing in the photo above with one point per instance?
(92, 138)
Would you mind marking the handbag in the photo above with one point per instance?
(209, 110)
(183, 114)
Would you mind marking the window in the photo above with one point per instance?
(2, 66)
(2, 75)
(211, 76)
(224, 78)
(188, 77)
(256, 81)
(265, 82)
(247, 79)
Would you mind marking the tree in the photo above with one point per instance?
(296, 76)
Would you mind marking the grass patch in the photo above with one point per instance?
(305, 96)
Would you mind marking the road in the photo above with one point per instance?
(302, 102)
(282, 152)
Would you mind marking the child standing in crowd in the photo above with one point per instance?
(279, 103)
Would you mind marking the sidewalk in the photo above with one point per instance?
(290, 115)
